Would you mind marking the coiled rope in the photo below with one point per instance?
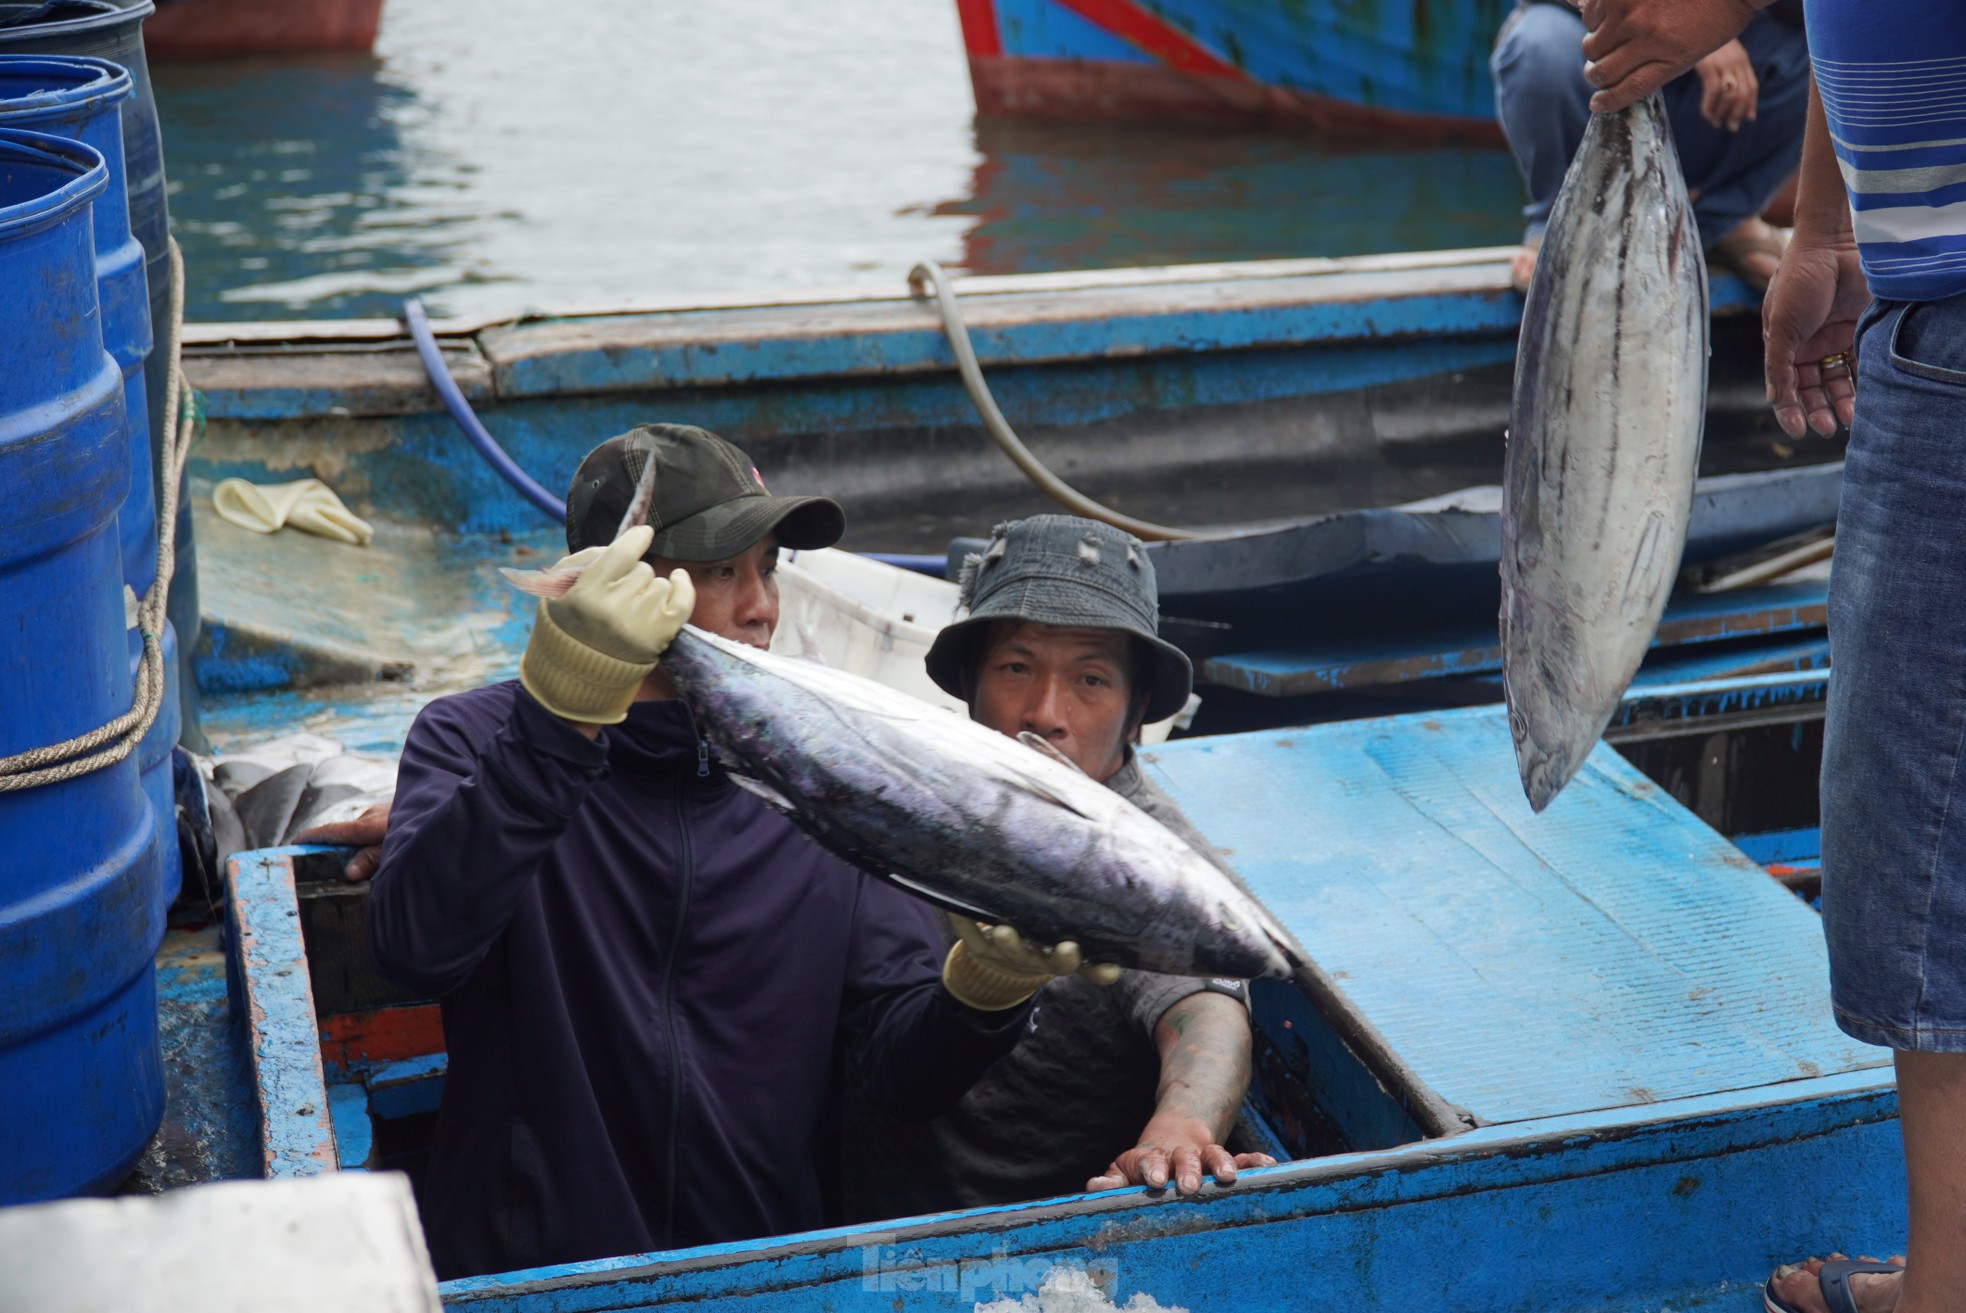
(953, 327)
(112, 742)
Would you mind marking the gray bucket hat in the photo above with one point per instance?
(1065, 571)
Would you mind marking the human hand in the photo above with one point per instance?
(1176, 1151)
(1808, 317)
(364, 834)
(1637, 46)
(1729, 90)
(591, 648)
(992, 967)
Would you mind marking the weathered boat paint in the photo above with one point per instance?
(228, 29)
(1604, 440)
(1373, 69)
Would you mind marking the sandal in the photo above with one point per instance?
(1834, 1279)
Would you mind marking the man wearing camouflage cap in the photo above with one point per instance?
(1134, 1082)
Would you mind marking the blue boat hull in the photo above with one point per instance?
(1416, 70)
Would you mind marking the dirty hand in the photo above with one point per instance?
(1637, 46)
(591, 648)
(364, 834)
(1729, 90)
(992, 967)
(1811, 313)
(1178, 1151)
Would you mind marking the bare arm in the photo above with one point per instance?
(1204, 1062)
(1204, 1072)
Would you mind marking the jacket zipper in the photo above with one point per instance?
(669, 1019)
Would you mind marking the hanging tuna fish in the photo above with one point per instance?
(1604, 440)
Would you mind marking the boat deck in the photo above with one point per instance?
(1607, 1018)
(1614, 951)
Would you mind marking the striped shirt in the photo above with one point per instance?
(1892, 74)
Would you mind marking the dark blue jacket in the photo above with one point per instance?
(642, 971)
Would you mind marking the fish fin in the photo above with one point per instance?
(1043, 745)
(540, 583)
(765, 791)
(940, 899)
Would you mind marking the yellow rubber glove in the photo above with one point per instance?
(591, 649)
(992, 968)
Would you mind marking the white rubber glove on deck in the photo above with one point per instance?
(591, 649)
(308, 505)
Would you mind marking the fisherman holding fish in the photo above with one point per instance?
(643, 968)
(1136, 1084)
(1736, 120)
(1133, 1083)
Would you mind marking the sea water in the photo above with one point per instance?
(496, 156)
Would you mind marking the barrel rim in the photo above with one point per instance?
(58, 152)
(106, 15)
(111, 85)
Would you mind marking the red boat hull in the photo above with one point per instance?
(225, 29)
(1090, 91)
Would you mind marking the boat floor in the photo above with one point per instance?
(305, 633)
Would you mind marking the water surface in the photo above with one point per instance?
(500, 155)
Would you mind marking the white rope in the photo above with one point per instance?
(928, 273)
(112, 742)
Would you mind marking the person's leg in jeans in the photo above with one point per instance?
(1733, 175)
(1543, 103)
(1893, 788)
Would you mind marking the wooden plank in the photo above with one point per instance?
(266, 966)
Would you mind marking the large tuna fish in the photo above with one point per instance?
(1005, 831)
(1604, 441)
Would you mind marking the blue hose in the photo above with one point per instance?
(460, 410)
(418, 322)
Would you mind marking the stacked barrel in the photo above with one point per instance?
(88, 862)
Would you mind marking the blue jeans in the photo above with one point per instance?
(1544, 104)
(1894, 851)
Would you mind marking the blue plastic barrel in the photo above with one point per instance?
(80, 913)
(78, 97)
(83, 99)
(102, 30)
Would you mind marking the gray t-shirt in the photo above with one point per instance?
(1071, 1097)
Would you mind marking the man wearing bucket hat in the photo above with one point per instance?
(1134, 1083)
(642, 968)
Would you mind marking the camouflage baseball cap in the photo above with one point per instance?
(710, 501)
(1073, 573)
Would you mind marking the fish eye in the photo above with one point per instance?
(1230, 921)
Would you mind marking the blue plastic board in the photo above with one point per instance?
(1612, 951)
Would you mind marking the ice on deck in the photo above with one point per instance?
(1613, 951)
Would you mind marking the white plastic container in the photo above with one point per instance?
(877, 621)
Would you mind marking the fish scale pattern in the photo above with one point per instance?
(1612, 951)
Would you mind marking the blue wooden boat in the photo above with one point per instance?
(1417, 70)
(1576, 1060)
(1299, 406)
